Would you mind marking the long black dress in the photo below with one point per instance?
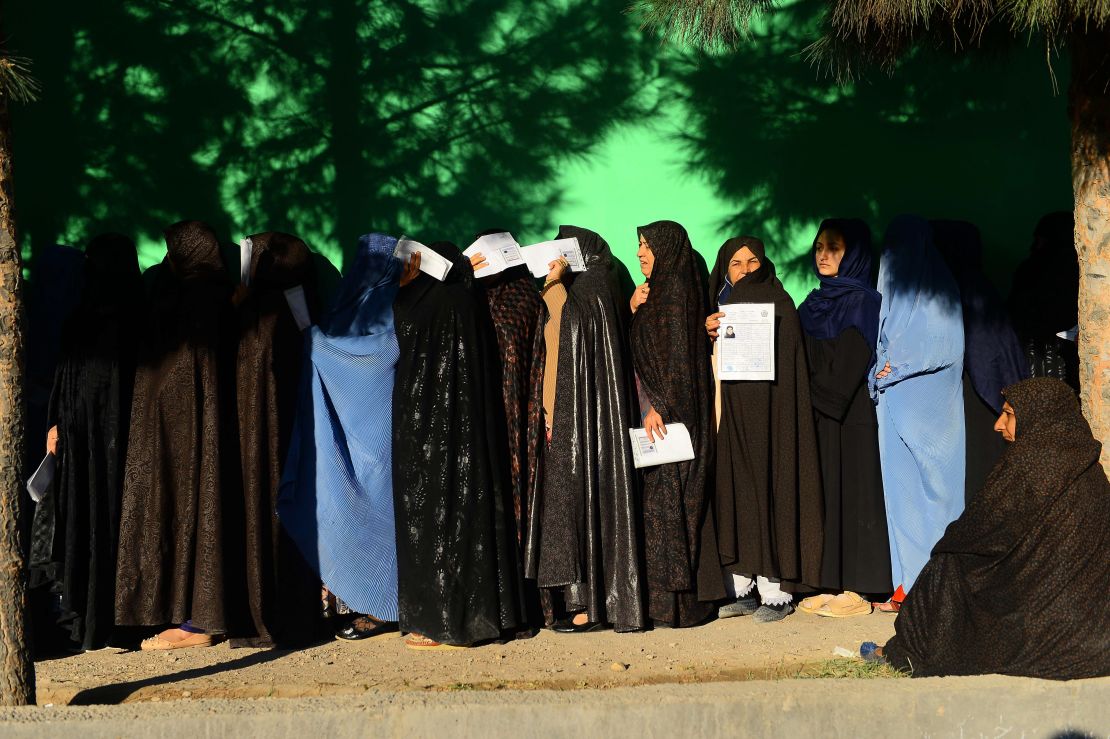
(856, 551)
(590, 537)
(671, 352)
(769, 503)
(1014, 586)
(841, 324)
(76, 526)
(182, 453)
(458, 581)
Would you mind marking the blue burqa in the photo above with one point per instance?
(920, 404)
(336, 498)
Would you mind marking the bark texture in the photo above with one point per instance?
(1090, 121)
(17, 677)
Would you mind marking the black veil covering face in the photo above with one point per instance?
(671, 353)
(770, 511)
(589, 539)
(280, 591)
(182, 455)
(456, 552)
(1000, 591)
(76, 526)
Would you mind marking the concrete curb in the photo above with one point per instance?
(989, 706)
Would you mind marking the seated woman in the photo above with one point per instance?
(1006, 589)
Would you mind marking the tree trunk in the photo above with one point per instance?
(17, 672)
(1090, 125)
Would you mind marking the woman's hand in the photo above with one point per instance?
(883, 372)
(411, 270)
(653, 424)
(639, 297)
(712, 323)
(556, 270)
(52, 441)
(478, 261)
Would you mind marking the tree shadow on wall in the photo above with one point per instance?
(978, 138)
(323, 119)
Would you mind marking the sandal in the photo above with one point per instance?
(158, 644)
(814, 603)
(418, 641)
(845, 605)
(891, 606)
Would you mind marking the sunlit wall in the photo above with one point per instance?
(439, 119)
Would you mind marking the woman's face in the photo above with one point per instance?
(1007, 422)
(828, 250)
(646, 257)
(743, 262)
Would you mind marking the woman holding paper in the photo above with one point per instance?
(672, 369)
(589, 540)
(76, 524)
(270, 573)
(769, 505)
(841, 323)
(458, 576)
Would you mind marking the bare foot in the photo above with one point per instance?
(581, 618)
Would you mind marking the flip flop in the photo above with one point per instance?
(845, 605)
(423, 643)
(814, 603)
(158, 644)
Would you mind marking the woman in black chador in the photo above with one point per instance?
(671, 354)
(1008, 587)
(458, 579)
(840, 321)
(589, 538)
(76, 525)
(768, 498)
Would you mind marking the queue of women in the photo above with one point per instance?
(448, 461)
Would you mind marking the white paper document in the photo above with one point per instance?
(430, 263)
(294, 296)
(246, 250)
(746, 342)
(500, 250)
(674, 447)
(539, 256)
(40, 481)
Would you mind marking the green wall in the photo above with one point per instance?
(441, 118)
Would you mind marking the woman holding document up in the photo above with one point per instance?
(768, 497)
(671, 357)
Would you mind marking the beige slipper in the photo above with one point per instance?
(157, 643)
(845, 605)
(814, 603)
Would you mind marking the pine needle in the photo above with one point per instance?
(16, 82)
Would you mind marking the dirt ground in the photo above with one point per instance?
(733, 649)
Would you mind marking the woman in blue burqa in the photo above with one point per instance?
(919, 397)
(336, 499)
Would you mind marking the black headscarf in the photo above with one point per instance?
(993, 358)
(671, 353)
(456, 562)
(76, 526)
(590, 538)
(846, 300)
(999, 593)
